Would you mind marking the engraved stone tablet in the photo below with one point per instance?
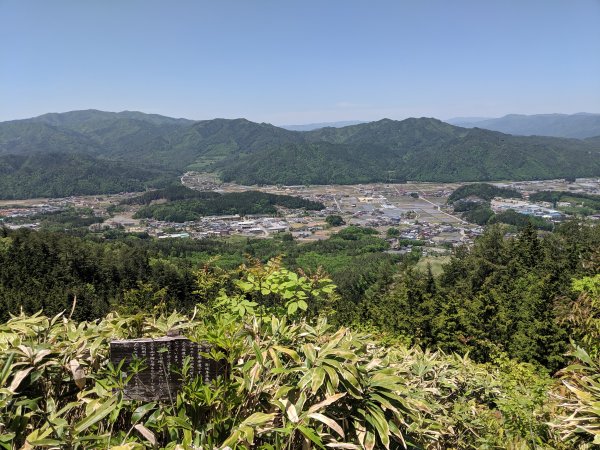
(161, 359)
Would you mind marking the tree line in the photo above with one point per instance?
(503, 295)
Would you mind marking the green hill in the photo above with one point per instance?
(126, 135)
(64, 174)
(313, 163)
(81, 120)
(186, 204)
(594, 141)
(483, 191)
(23, 137)
(246, 152)
(210, 141)
(413, 149)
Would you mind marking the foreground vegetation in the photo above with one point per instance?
(294, 382)
(46, 270)
(501, 350)
(504, 295)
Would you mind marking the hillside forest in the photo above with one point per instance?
(97, 152)
(331, 344)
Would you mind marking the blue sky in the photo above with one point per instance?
(288, 62)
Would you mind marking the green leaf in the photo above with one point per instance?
(292, 308)
(333, 376)
(141, 411)
(7, 437)
(248, 433)
(178, 422)
(310, 434)
(328, 289)
(309, 351)
(246, 287)
(6, 369)
(96, 416)
(291, 353)
(232, 439)
(46, 443)
(259, 418)
(318, 376)
(258, 353)
(369, 442)
(377, 419)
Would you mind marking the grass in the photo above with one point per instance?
(437, 262)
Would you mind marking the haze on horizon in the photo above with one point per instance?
(300, 62)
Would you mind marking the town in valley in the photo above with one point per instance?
(418, 213)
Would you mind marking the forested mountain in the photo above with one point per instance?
(242, 151)
(138, 137)
(581, 125)
(87, 119)
(22, 137)
(413, 149)
(83, 152)
(210, 141)
(65, 174)
(125, 135)
(595, 141)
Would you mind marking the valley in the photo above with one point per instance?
(419, 211)
(299, 225)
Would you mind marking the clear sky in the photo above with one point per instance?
(300, 61)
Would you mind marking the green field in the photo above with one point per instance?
(436, 263)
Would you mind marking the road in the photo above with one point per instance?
(437, 207)
(421, 196)
(337, 204)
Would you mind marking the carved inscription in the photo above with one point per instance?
(161, 360)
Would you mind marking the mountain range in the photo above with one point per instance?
(102, 152)
(316, 126)
(580, 125)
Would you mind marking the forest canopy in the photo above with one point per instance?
(185, 204)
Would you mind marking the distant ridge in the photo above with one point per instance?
(316, 126)
(459, 121)
(580, 125)
(109, 152)
(91, 116)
